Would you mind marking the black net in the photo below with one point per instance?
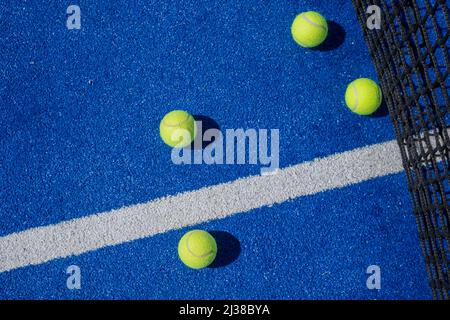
(411, 55)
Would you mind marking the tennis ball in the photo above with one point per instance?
(363, 96)
(309, 29)
(178, 129)
(197, 249)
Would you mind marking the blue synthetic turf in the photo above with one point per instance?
(311, 248)
(80, 112)
(72, 147)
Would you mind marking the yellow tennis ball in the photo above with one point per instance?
(363, 96)
(309, 29)
(178, 129)
(197, 249)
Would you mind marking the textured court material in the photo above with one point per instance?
(411, 55)
(38, 245)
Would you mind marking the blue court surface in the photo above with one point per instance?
(79, 135)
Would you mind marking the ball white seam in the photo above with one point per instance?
(177, 124)
(312, 22)
(356, 97)
(195, 255)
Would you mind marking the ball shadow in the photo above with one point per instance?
(228, 249)
(336, 37)
(381, 112)
(206, 124)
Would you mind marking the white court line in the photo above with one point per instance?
(77, 236)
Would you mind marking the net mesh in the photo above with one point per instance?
(411, 56)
